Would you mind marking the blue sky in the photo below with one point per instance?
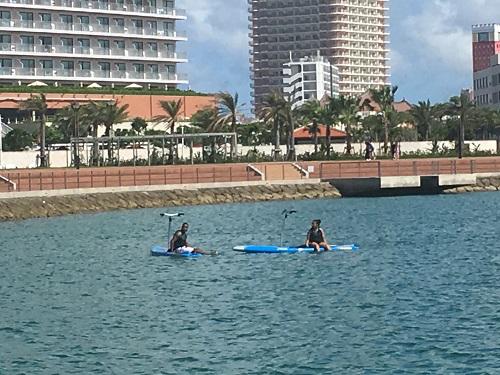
(431, 45)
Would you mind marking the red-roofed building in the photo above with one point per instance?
(303, 136)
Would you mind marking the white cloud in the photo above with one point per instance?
(219, 23)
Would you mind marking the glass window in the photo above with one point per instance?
(46, 64)
(5, 39)
(104, 66)
(27, 39)
(139, 68)
(66, 18)
(137, 23)
(483, 37)
(45, 17)
(84, 19)
(4, 15)
(120, 66)
(26, 16)
(68, 65)
(138, 45)
(84, 42)
(120, 44)
(103, 43)
(28, 63)
(5, 63)
(119, 22)
(84, 65)
(67, 42)
(104, 21)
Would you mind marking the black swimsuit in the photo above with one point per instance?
(315, 236)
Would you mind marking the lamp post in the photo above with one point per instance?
(460, 132)
(75, 106)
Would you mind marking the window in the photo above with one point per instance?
(119, 44)
(28, 63)
(5, 39)
(104, 66)
(6, 63)
(139, 68)
(483, 37)
(66, 18)
(45, 17)
(138, 45)
(137, 24)
(84, 65)
(103, 43)
(67, 65)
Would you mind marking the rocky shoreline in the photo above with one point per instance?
(39, 207)
(484, 184)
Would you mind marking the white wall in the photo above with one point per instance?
(59, 159)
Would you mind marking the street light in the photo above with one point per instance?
(75, 106)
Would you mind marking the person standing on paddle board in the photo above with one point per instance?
(179, 244)
(316, 237)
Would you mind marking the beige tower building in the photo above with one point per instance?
(351, 34)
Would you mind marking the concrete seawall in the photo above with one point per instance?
(58, 205)
(483, 184)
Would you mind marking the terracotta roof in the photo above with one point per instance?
(303, 133)
(368, 104)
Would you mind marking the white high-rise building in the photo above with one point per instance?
(310, 78)
(109, 42)
(351, 34)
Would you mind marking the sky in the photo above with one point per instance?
(431, 46)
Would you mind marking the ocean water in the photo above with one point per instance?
(80, 294)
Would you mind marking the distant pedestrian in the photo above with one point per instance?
(369, 151)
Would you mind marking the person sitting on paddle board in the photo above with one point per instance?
(316, 237)
(179, 244)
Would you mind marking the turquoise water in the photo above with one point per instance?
(80, 294)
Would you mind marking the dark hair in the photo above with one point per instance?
(185, 224)
(317, 221)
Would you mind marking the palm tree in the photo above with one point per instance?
(423, 115)
(172, 110)
(311, 111)
(289, 115)
(462, 107)
(384, 97)
(67, 119)
(271, 112)
(111, 114)
(348, 109)
(38, 105)
(205, 120)
(228, 110)
(328, 116)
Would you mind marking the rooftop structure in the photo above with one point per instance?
(108, 42)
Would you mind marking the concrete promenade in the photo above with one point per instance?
(387, 174)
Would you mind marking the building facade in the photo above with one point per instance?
(486, 64)
(310, 78)
(351, 34)
(108, 42)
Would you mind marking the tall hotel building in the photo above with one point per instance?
(351, 34)
(109, 42)
(486, 64)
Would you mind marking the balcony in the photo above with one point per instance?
(82, 50)
(136, 52)
(101, 51)
(136, 75)
(65, 72)
(102, 74)
(118, 51)
(25, 71)
(83, 73)
(64, 49)
(5, 46)
(25, 47)
(5, 71)
(43, 25)
(152, 75)
(120, 74)
(45, 72)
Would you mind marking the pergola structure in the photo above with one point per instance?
(100, 145)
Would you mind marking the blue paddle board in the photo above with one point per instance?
(258, 249)
(160, 251)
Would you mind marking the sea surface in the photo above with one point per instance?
(81, 294)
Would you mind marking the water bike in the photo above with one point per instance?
(269, 249)
(159, 250)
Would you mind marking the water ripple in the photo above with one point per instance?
(80, 294)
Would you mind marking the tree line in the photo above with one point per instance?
(456, 120)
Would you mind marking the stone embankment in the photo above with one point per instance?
(483, 184)
(25, 208)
